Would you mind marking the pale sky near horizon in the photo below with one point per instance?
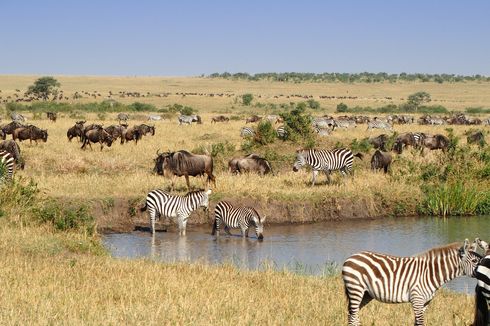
(163, 38)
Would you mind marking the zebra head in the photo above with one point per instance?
(300, 160)
(259, 226)
(205, 199)
(469, 259)
(480, 246)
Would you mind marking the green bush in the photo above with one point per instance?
(297, 124)
(142, 107)
(312, 104)
(265, 133)
(360, 146)
(342, 108)
(247, 99)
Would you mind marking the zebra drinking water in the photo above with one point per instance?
(237, 217)
(325, 160)
(415, 279)
(7, 162)
(162, 204)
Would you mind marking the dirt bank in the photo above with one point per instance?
(123, 215)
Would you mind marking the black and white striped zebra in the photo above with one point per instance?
(419, 139)
(7, 161)
(325, 160)
(282, 132)
(164, 205)
(393, 279)
(482, 290)
(378, 124)
(247, 132)
(234, 217)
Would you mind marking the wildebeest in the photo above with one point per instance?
(219, 118)
(30, 132)
(132, 133)
(76, 131)
(381, 160)
(122, 117)
(98, 135)
(9, 128)
(189, 119)
(13, 148)
(117, 131)
(183, 163)
(146, 129)
(253, 118)
(436, 142)
(52, 116)
(476, 137)
(250, 163)
(404, 140)
(379, 142)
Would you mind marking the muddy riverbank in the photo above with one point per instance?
(123, 214)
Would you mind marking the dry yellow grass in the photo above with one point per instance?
(46, 280)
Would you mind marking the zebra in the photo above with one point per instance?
(189, 119)
(482, 291)
(153, 117)
(393, 279)
(247, 132)
(378, 124)
(237, 217)
(7, 161)
(122, 117)
(282, 132)
(419, 138)
(325, 160)
(344, 123)
(436, 121)
(162, 204)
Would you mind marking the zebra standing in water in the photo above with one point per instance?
(7, 161)
(237, 217)
(482, 290)
(247, 132)
(415, 279)
(162, 204)
(325, 160)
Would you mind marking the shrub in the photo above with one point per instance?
(247, 99)
(265, 133)
(360, 146)
(342, 107)
(298, 126)
(141, 107)
(312, 104)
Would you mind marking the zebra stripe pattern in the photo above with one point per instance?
(393, 279)
(281, 132)
(8, 162)
(237, 217)
(419, 138)
(324, 160)
(482, 295)
(247, 132)
(378, 124)
(162, 204)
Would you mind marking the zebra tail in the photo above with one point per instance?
(142, 209)
(481, 309)
(213, 232)
(359, 155)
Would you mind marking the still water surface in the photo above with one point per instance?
(309, 248)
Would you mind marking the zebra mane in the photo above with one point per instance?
(190, 193)
(438, 250)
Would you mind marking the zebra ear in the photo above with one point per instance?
(263, 218)
(208, 192)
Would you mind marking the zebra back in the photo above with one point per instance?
(328, 160)
(7, 161)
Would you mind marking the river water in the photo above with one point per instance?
(316, 249)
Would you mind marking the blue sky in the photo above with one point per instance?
(200, 37)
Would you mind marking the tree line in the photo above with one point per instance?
(364, 77)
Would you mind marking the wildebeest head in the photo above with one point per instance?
(44, 135)
(108, 139)
(159, 162)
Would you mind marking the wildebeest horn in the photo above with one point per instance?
(158, 152)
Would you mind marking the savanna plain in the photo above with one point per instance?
(55, 270)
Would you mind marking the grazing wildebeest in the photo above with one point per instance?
(13, 148)
(437, 141)
(122, 117)
(52, 116)
(183, 163)
(476, 137)
(404, 140)
(381, 160)
(30, 132)
(133, 133)
(9, 128)
(219, 118)
(250, 163)
(254, 118)
(189, 119)
(117, 131)
(146, 129)
(98, 135)
(76, 131)
(379, 142)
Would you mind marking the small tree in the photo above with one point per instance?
(44, 87)
(298, 126)
(312, 104)
(417, 99)
(342, 107)
(247, 99)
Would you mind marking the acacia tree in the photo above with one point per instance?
(44, 87)
(417, 99)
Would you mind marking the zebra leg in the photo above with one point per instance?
(182, 224)
(152, 221)
(246, 232)
(327, 172)
(354, 299)
(315, 173)
(227, 230)
(418, 306)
